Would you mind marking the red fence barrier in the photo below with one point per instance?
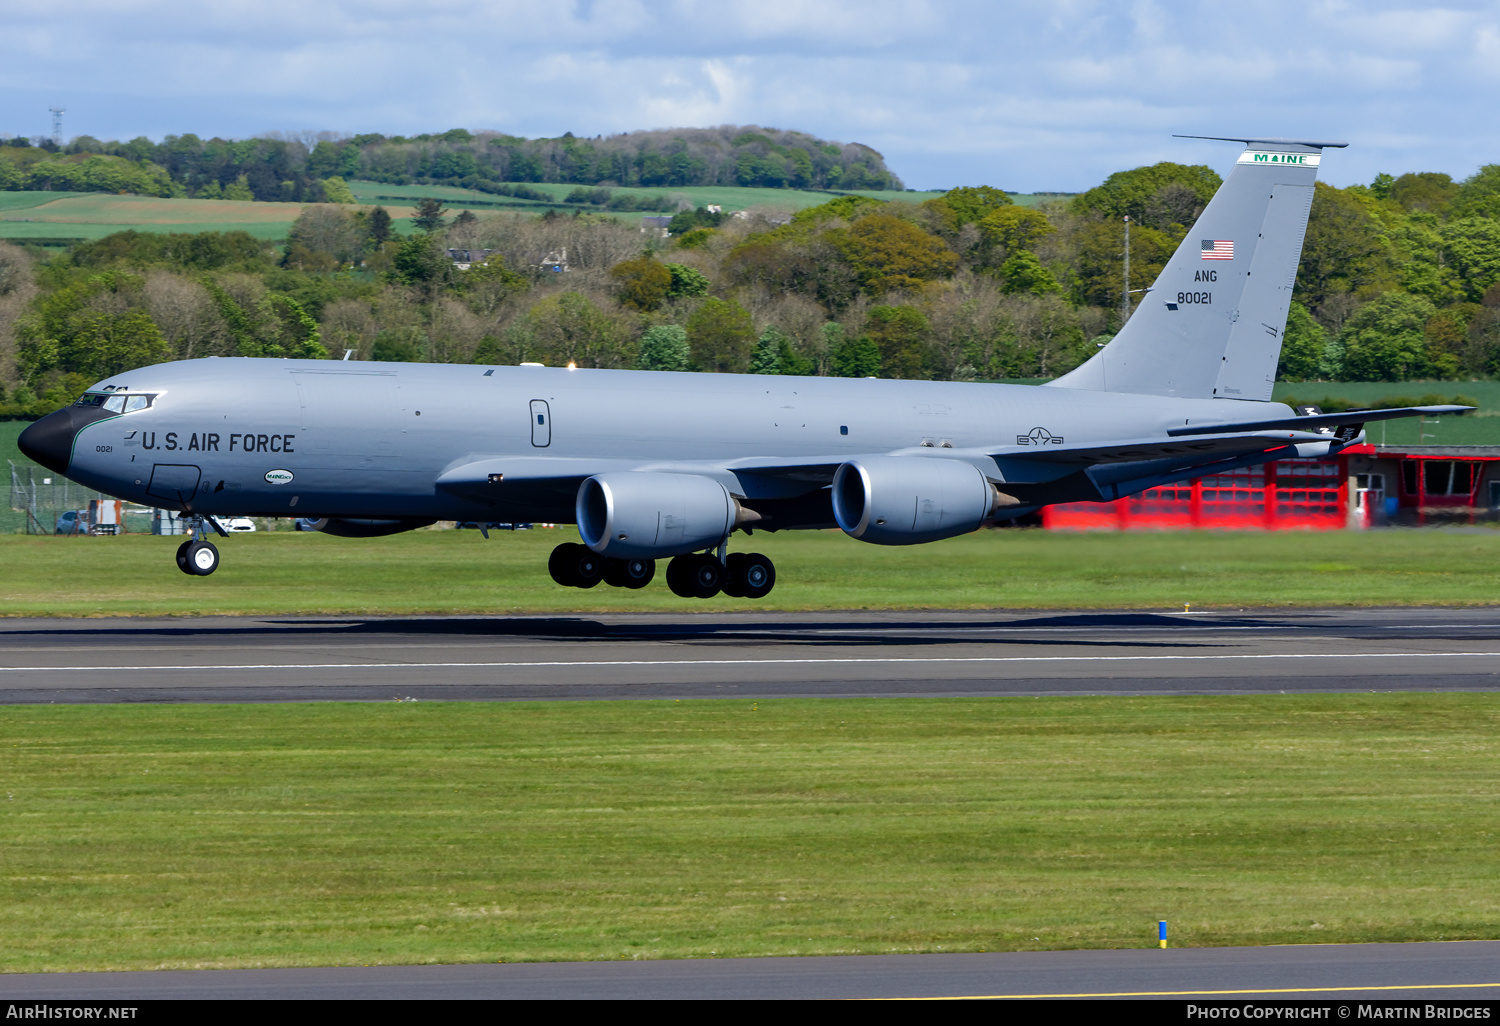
(1288, 495)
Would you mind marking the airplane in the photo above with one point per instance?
(655, 465)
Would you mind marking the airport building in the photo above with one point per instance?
(1364, 486)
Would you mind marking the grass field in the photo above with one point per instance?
(95, 215)
(435, 572)
(728, 196)
(226, 836)
(31, 198)
(1479, 428)
(67, 215)
(78, 216)
(30, 215)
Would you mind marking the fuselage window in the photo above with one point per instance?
(137, 402)
(90, 399)
(115, 404)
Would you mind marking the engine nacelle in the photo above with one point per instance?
(345, 527)
(903, 500)
(642, 515)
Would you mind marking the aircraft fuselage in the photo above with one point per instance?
(299, 438)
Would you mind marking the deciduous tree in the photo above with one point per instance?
(721, 334)
(1385, 340)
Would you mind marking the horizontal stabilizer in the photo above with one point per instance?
(1320, 420)
(1268, 141)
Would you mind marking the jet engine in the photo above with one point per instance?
(344, 527)
(644, 515)
(904, 500)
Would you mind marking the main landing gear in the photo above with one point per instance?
(702, 575)
(197, 557)
(577, 566)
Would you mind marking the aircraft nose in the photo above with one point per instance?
(49, 441)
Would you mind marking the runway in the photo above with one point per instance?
(1466, 971)
(714, 655)
(744, 655)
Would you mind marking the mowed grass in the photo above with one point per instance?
(285, 572)
(226, 836)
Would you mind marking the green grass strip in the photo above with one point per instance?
(284, 572)
(225, 836)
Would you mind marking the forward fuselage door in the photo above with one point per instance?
(541, 424)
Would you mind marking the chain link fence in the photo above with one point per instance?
(39, 498)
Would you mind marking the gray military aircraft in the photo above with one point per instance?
(668, 466)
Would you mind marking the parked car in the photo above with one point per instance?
(235, 525)
(73, 521)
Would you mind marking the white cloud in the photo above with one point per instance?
(1025, 94)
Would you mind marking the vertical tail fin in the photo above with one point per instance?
(1211, 325)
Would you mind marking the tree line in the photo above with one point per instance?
(1398, 281)
(298, 169)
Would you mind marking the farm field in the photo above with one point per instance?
(284, 572)
(30, 198)
(32, 215)
(200, 836)
(60, 217)
(728, 196)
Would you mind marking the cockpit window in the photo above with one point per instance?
(119, 402)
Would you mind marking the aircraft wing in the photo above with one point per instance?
(1322, 420)
(1056, 473)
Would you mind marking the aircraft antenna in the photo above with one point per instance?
(57, 113)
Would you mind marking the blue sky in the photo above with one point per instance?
(1021, 95)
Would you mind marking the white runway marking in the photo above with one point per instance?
(117, 668)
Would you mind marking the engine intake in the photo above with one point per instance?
(644, 515)
(905, 500)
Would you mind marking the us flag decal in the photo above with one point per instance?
(1217, 249)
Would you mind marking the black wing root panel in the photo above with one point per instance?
(1103, 473)
(812, 510)
(1139, 450)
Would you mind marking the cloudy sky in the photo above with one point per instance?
(1025, 95)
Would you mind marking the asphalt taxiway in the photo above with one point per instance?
(761, 655)
(1464, 971)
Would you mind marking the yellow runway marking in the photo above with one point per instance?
(1207, 993)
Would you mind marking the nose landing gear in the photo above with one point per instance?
(197, 557)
